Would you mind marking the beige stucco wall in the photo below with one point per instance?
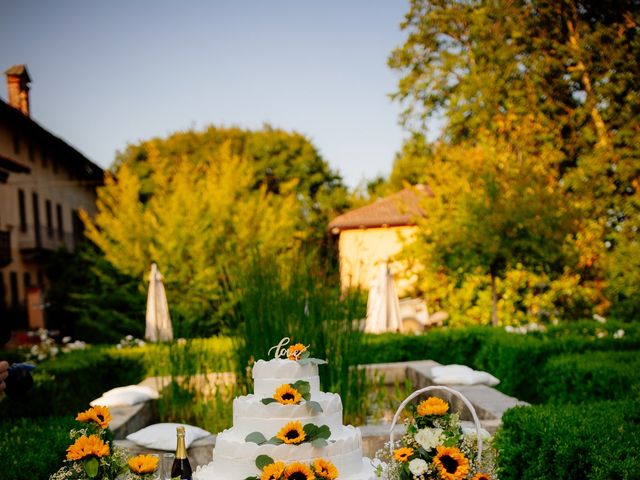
(52, 182)
(363, 251)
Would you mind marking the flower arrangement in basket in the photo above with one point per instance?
(92, 455)
(435, 446)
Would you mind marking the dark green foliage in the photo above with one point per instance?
(597, 441)
(517, 360)
(66, 384)
(92, 301)
(444, 346)
(589, 377)
(32, 449)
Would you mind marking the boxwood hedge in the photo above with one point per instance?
(596, 441)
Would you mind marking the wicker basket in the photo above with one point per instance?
(428, 389)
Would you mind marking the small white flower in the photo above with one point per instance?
(66, 339)
(429, 438)
(418, 466)
(619, 333)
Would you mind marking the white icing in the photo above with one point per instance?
(234, 459)
(271, 374)
(251, 415)
(283, 368)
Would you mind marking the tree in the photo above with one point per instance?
(193, 219)
(569, 68)
(276, 160)
(495, 207)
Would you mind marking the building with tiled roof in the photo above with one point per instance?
(372, 235)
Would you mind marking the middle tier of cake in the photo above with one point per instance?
(251, 415)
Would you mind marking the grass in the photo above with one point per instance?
(301, 301)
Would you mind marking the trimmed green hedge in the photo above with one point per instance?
(590, 377)
(66, 384)
(517, 360)
(33, 449)
(597, 441)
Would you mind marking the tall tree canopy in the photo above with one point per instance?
(569, 71)
(201, 203)
(278, 160)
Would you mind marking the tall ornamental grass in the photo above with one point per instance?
(196, 380)
(301, 300)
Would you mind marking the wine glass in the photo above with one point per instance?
(167, 463)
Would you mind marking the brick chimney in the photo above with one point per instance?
(18, 88)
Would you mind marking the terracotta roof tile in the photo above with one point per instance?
(398, 209)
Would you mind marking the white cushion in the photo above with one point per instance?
(461, 375)
(162, 436)
(129, 395)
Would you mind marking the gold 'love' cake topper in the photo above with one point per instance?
(297, 352)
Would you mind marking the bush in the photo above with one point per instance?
(33, 449)
(597, 441)
(590, 377)
(66, 384)
(444, 345)
(517, 360)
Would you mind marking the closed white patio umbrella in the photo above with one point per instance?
(158, 323)
(383, 307)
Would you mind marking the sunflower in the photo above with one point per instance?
(298, 471)
(99, 415)
(451, 463)
(143, 464)
(325, 470)
(403, 454)
(481, 476)
(287, 395)
(272, 471)
(433, 406)
(292, 433)
(294, 351)
(87, 446)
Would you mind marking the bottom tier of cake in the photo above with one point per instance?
(363, 470)
(233, 458)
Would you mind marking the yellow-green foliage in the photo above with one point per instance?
(199, 219)
(523, 296)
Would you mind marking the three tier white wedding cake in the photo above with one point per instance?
(288, 428)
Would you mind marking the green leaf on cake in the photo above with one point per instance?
(319, 442)
(262, 461)
(256, 437)
(324, 432)
(310, 431)
(314, 432)
(267, 401)
(307, 361)
(314, 406)
(302, 386)
(304, 354)
(275, 441)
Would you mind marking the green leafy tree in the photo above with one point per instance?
(277, 160)
(570, 69)
(495, 207)
(196, 220)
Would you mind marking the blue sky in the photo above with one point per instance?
(110, 73)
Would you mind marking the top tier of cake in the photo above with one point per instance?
(268, 375)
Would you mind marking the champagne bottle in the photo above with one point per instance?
(181, 469)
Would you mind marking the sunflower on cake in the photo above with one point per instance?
(288, 429)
